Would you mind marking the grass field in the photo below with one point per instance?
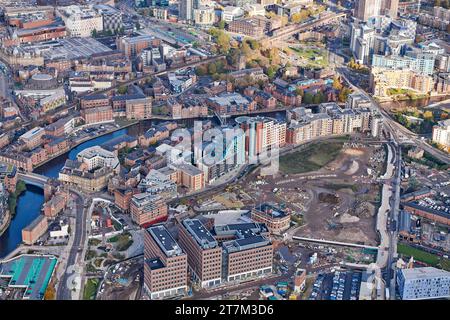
(313, 56)
(90, 289)
(423, 256)
(311, 158)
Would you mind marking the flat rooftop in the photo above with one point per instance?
(31, 272)
(271, 210)
(198, 231)
(155, 263)
(424, 273)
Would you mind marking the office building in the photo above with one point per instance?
(423, 283)
(147, 209)
(81, 21)
(276, 219)
(186, 10)
(33, 137)
(389, 8)
(365, 9)
(112, 18)
(248, 255)
(165, 264)
(203, 251)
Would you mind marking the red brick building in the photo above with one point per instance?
(165, 264)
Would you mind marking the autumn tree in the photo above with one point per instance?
(428, 115)
(337, 85)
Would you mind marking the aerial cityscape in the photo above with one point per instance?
(224, 150)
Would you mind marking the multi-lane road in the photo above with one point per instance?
(64, 291)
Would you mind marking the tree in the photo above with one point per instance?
(201, 70)
(50, 293)
(223, 41)
(245, 48)
(318, 98)
(221, 24)
(94, 33)
(308, 98)
(272, 71)
(299, 92)
(122, 90)
(428, 115)
(337, 85)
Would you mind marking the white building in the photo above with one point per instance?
(230, 13)
(97, 157)
(441, 133)
(255, 9)
(81, 21)
(204, 16)
(423, 283)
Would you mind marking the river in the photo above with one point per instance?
(30, 202)
(28, 208)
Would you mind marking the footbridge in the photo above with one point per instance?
(337, 243)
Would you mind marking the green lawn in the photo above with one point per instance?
(90, 289)
(315, 56)
(311, 158)
(423, 256)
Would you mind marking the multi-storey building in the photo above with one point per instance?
(97, 157)
(423, 283)
(34, 230)
(249, 254)
(112, 18)
(94, 101)
(97, 115)
(189, 176)
(133, 46)
(204, 16)
(262, 134)
(441, 133)
(74, 173)
(231, 102)
(81, 21)
(365, 9)
(158, 183)
(33, 137)
(251, 27)
(389, 8)
(147, 209)
(422, 63)
(276, 220)
(203, 251)
(138, 108)
(165, 264)
(382, 79)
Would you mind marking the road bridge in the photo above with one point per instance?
(34, 179)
